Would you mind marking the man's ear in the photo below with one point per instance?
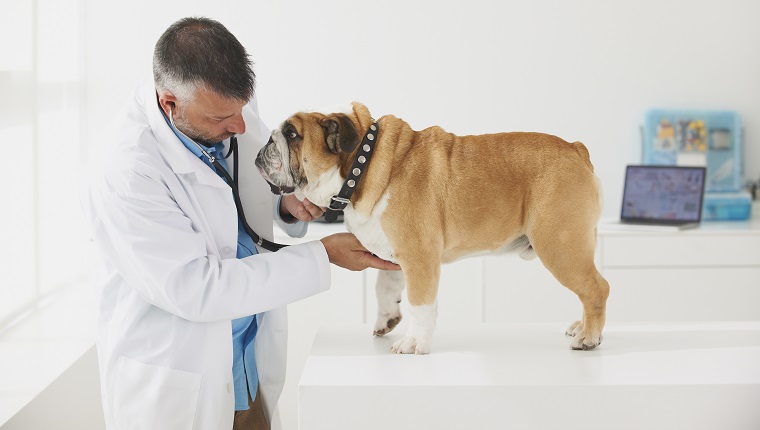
(340, 134)
(167, 100)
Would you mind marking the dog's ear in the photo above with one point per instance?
(340, 134)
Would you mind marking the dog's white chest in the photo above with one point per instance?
(368, 229)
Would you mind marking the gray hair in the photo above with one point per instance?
(198, 53)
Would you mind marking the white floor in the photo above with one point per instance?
(38, 351)
(524, 376)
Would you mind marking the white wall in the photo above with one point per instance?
(584, 70)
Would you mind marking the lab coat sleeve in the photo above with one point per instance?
(143, 232)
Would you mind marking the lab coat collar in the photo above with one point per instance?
(179, 158)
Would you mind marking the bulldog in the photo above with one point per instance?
(423, 198)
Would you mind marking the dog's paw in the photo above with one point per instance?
(586, 341)
(411, 344)
(386, 323)
(583, 339)
(574, 329)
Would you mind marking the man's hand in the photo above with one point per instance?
(303, 210)
(345, 250)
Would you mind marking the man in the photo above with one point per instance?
(192, 322)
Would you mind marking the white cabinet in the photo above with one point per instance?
(525, 291)
(711, 273)
(707, 274)
(683, 294)
(708, 247)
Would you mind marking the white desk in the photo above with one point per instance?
(524, 376)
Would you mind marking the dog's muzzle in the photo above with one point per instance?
(266, 158)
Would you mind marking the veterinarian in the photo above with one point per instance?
(192, 325)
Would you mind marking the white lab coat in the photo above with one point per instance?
(165, 228)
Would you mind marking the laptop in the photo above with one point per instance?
(663, 196)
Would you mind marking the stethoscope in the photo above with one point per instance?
(260, 241)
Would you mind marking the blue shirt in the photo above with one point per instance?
(243, 329)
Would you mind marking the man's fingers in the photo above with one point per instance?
(345, 250)
(313, 210)
(378, 263)
(307, 211)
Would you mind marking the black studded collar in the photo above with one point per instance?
(366, 149)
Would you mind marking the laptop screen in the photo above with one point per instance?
(666, 194)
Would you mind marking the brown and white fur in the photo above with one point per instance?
(430, 197)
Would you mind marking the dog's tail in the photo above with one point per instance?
(583, 152)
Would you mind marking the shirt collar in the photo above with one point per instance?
(216, 150)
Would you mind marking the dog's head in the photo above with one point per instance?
(310, 153)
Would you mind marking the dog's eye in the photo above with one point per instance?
(292, 135)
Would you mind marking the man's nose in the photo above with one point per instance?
(237, 125)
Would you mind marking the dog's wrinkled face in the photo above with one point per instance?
(305, 154)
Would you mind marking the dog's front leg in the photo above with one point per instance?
(422, 290)
(390, 284)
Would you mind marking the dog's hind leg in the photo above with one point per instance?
(569, 256)
(390, 284)
(587, 332)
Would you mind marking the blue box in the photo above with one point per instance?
(697, 138)
(727, 206)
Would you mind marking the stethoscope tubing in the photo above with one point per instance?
(260, 241)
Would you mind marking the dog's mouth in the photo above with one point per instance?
(278, 190)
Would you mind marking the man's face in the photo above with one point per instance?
(209, 118)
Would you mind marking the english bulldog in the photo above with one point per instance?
(422, 198)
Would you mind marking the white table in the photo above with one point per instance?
(524, 376)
